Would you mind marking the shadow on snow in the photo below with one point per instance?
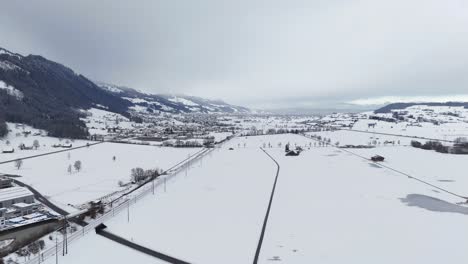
(433, 204)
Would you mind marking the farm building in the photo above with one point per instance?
(293, 153)
(13, 195)
(8, 150)
(5, 182)
(2, 217)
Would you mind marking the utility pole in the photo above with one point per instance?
(56, 250)
(128, 211)
(66, 238)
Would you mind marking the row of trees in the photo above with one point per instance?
(3, 128)
(138, 174)
(183, 144)
(430, 145)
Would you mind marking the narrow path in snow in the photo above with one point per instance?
(265, 221)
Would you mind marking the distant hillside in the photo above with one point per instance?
(147, 103)
(47, 95)
(396, 106)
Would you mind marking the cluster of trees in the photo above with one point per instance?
(322, 141)
(33, 248)
(385, 119)
(77, 165)
(183, 144)
(138, 174)
(272, 131)
(3, 128)
(430, 145)
(460, 146)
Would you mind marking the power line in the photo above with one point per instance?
(395, 170)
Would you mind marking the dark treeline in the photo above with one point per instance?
(397, 106)
(3, 127)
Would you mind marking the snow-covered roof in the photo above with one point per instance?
(22, 205)
(14, 193)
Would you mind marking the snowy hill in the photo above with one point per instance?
(148, 103)
(50, 96)
(47, 95)
(400, 106)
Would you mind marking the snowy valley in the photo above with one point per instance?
(212, 176)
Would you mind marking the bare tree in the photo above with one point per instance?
(69, 169)
(36, 144)
(77, 165)
(137, 174)
(18, 163)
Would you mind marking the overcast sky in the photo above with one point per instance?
(272, 53)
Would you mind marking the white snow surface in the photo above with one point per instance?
(183, 101)
(330, 206)
(11, 90)
(99, 175)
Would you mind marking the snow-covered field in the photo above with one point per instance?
(212, 214)
(99, 175)
(333, 207)
(445, 131)
(344, 137)
(98, 121)
(16, 137)
(330, 207)
(443, 170)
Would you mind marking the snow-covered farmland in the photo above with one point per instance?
(98, 121)
(92, 249)
(346, 137)
(333, 207)
(444, 131)
(212, 214)
(330, 206)
(99, 175)
(23, 134)
(443, 170)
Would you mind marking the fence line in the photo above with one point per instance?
(114, 210)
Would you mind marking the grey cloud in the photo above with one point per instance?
(258, 53)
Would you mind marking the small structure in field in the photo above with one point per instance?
(377, 158)
(293, 153)
(8, 150)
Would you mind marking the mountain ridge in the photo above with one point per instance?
(173, 103)
(398, 106)
(49, 95)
